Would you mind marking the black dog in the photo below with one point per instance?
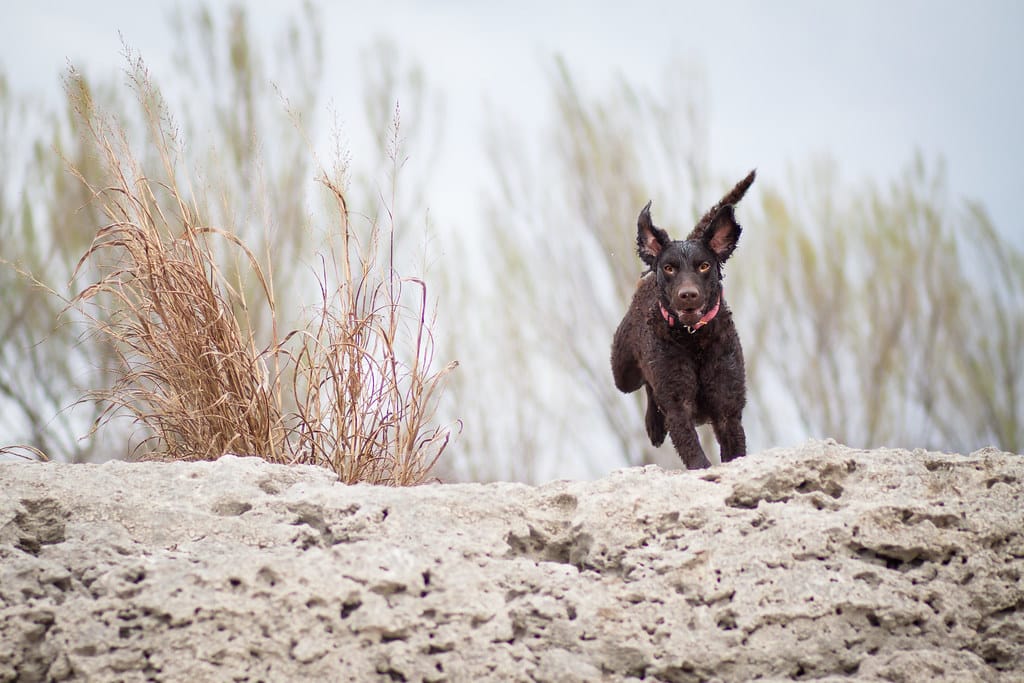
(678, 340)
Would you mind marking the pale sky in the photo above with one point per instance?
(865, 82)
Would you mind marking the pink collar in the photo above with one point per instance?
(708, 317)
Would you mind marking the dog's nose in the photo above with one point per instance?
(688, 295)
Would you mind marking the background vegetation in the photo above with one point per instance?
(879, 313)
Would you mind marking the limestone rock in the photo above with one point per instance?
(819, 562)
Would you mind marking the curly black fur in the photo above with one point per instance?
(692, 373)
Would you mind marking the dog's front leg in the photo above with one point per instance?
(654, 420)
(684, 438)
(732, 440)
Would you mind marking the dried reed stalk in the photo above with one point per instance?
(361, 410)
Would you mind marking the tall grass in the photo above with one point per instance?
(360, 409)
(353, 389)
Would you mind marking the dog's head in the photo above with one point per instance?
(689, 271)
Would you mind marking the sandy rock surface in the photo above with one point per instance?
(819, 562)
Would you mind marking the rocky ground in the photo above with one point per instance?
(819, 562)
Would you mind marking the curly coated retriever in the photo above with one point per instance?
(678, 340)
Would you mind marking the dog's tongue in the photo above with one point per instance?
(690, 317)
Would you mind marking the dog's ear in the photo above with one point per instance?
(723, 233)
(649, 239)
(719, 229)
(733, 197)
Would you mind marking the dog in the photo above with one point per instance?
(677, 339)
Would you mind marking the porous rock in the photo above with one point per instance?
(819, 562)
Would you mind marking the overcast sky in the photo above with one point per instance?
(866, 82)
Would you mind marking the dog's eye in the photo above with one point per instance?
(669, 269)
(704, 267)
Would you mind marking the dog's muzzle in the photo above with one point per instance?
(705, 319)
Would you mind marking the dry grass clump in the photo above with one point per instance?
(189, 371)
(353, 393)
(352, 390)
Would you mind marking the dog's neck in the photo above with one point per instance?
(705, 319)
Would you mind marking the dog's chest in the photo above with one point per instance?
(677, 341)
